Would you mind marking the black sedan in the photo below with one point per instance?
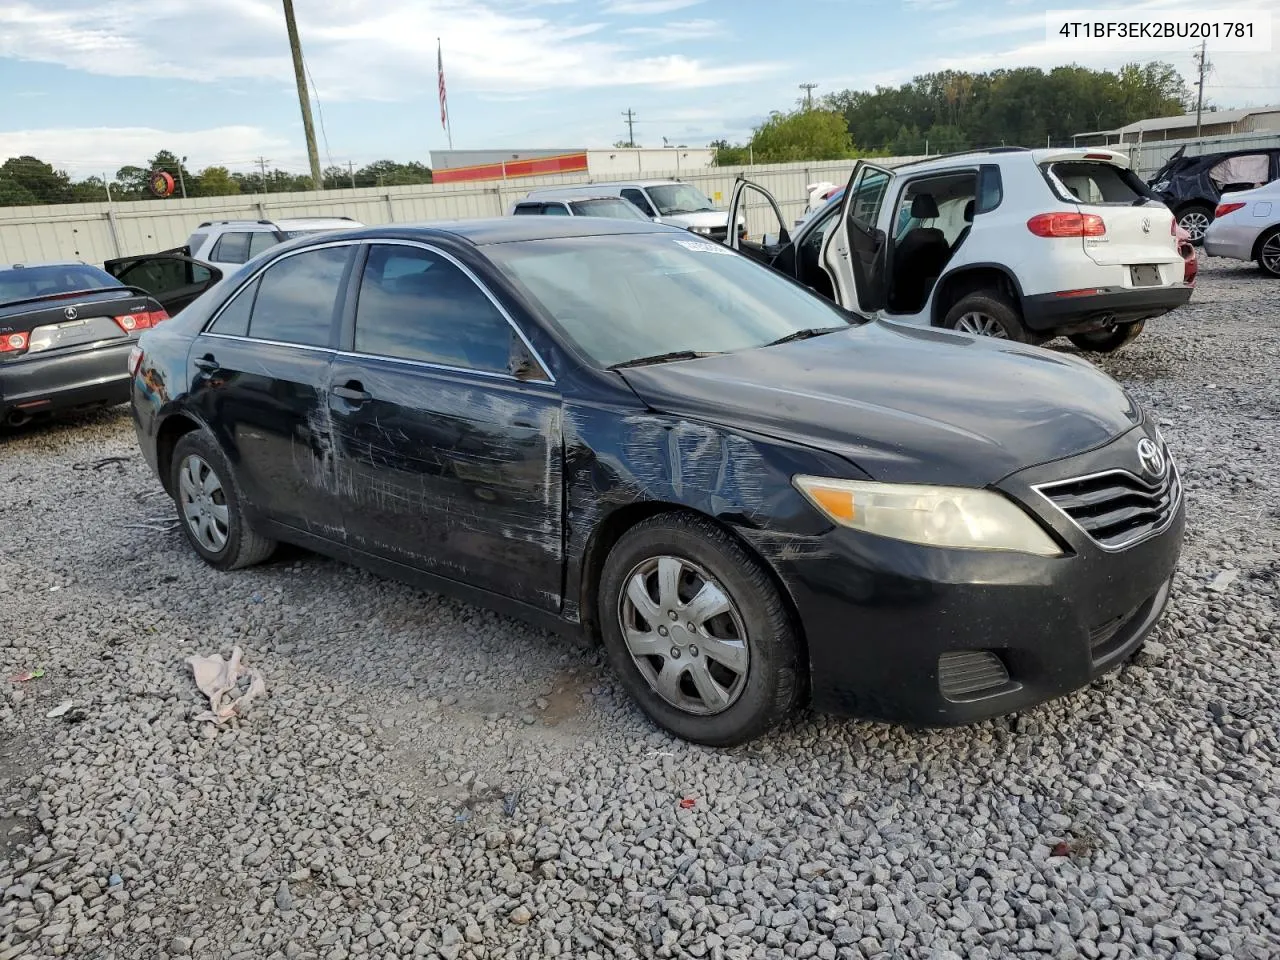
(754, 499)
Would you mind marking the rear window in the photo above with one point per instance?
(1096, 184)
(23, 283)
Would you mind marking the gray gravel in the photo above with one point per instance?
(426, 779)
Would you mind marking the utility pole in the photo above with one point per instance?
(262, 165)
(631, 127)
(181, 181)
(1203, 63)
(808, 89)
(304, 99)
(351, 169)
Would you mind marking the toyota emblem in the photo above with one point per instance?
(1152, 458)
(70, 313)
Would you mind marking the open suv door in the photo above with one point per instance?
(172, 277)
(854, 252)
(756, 207)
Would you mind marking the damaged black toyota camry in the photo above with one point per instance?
(755, 499)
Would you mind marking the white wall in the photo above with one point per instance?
(95, 232)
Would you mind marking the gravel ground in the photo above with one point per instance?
(427, 779)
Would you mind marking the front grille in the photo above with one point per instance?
(1117, 509)
(962, 673)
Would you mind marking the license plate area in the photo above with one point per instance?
(1145, 275)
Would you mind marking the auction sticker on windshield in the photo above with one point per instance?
(701, 246)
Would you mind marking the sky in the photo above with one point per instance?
(91, 85)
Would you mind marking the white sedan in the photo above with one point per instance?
(1246, 226)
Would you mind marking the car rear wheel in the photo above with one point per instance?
(1269, 252)
(987, 313)
(698, 632)
(208, 500)
(1195, 219)
(1108, 341)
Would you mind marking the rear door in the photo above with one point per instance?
(174, 280)
(854, 252)
(451, 444)
(1138, 230)
(766, 238)
(260, 375)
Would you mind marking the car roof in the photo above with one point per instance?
(295, 223)
(574, 198)
(44, 263)
(506, 229)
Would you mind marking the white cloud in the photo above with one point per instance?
(89, 151)
(355, 50)
(647, 7)
(677, 30)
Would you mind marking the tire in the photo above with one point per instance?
(215, 527)
(1269, 252)
(1108, 341)
(1195, 219)
(987, 313)
(756, 671)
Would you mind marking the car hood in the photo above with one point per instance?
(905, 405)
(707, 218)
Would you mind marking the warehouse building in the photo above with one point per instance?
(458, 166)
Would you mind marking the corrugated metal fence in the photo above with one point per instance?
(1149, 157)
(95, 232)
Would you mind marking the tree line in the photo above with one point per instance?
(934, 113)
(956, 110)
(27, 181)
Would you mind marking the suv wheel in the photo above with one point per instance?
(1269, 252)
(987, 313)
(208, 500)
(697, 632)
(1195, 219)
(1108, 341)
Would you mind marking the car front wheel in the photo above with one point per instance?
(698, 632)
(209, 506)
(1108, 341)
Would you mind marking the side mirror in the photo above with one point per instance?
(520, 364)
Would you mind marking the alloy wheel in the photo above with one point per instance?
(1195, 222)
(1270, 254)
(981, 325)
(685, 634)
(204, 504)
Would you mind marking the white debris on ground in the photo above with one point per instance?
(428, 779)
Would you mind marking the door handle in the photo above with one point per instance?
(354, 391)
(207, 363)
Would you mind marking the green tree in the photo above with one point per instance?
(802, 135)
(213, 182)
(14, 194)
(38, 179)
(730, 155)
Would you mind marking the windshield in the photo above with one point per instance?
(23, 283)
(676, 198)
(623, 297)
(608, 207)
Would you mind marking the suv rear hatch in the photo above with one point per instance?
(1139, 230)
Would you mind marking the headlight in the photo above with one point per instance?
(704, 231)
(932, 516)
(1162, 185)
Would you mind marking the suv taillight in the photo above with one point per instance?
(142, 320)
(1067, 225)
(13, 343)
(1225, 208)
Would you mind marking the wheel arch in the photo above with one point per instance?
(961, 282)
(617, 523)
(1262, 237)
(172, 429)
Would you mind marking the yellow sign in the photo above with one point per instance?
(718, 197)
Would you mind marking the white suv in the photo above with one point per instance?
(1010, 242)
(228, 243)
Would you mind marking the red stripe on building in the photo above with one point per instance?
(530, 167)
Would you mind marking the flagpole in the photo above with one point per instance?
(448, 120)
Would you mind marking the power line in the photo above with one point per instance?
(315, 93)
(631, 127)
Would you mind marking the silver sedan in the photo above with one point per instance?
(1246, 226)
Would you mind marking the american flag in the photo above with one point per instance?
(444, 101)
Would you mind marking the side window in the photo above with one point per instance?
(990, 188)
(417, 305)
(298, 297)
(812, 244)
(556, 209)
(160, 275)
(196, 242)
(234, 319)
(640, 200)
(262, 240)
(1250, 168)
(231, 248)
(868, 195)
(528, 209)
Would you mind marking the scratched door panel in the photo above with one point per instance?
(458, 474)
(270, 407)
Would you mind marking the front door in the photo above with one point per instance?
(173, 280)
(766, 238)
(260, 374)
(451, 447)
(854, 254)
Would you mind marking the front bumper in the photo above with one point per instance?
(929, 637)
(66, 380)
(1050, 313)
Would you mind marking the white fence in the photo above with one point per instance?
(95, 232)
